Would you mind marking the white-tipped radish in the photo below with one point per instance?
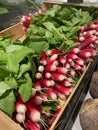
(62, 70)
(38, 75)
(71, 56)
(47, 75)
(58, 76)
(33, 114)
(41, 68)
(62, 89)
(74, 50)
(46, 83)
(50, 68)
(43, 59)
(52, 52)
(20, 107)
(35, 100)
(37, 85)
(20, 117)
(51, 93)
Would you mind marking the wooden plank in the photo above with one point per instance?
(7, 123)
(14, 31)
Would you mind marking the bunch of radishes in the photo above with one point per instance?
(55, 77)
(26, 20)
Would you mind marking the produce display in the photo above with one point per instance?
(42, 70)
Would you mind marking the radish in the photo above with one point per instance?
(74, 50)
(71, 56)
(35, 100)
(43, 59)
(62, 89)
(73, 72)
(20, 117)
(57, 76)
(52, 59)
(41, 68)
(83, 54)
(62, 70)
(37, 85)
(86, 43)
(51, 93)
(79, 61)
(46, 83)
(33, 114)
(76, 66)
(65, 83)
(30, 125)
(20, 107)
(56, 63)
(62, 60)
(50, 68)
(52, 52)
(60, 95)
(92, 51)
(33, 92)
(67, 65)
(47, 75)
(38, 75)
(43, 96)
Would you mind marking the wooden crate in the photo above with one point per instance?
(16, 32)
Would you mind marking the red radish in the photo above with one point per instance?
(71, 56)
(41, 68)
(33, 92)
(62, 89)
(68, 59)
(72, 72)
(20, 117)
(60, 95)
(65, 83)
(47, 75)
(79, 61)
(50, 68)
(62, 70)
(86, 43)
(76, 66)
(74, 50)
(37, 85)
(30, 125)
(56, 63)
(52, 52)
(25, 20)
(33, 114)
(51, 93)
(52, 58)
(62, 60)
(43, 96)
(92, 51)
(95, 41)
(43, 59)
(35, 100)
(81, 38)
(52, 82)
(20, 107)
(46, 83)
(83, 54)
(38, 75)
(67, 65)
(58, 76)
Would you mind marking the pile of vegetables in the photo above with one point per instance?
(46, 66)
